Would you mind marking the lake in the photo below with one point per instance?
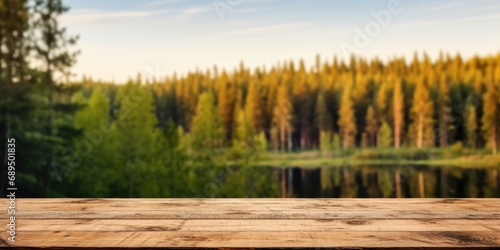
(390, 182)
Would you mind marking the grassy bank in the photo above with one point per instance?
(451, 156)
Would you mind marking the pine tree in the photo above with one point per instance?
(364, 140)
(94, 148)
(398, 113)
(422, 112)
(173, 158)
(322, 116)
(444, 109)
(253, 106)
(347, 120)
(226, 105)
(13, 26)
(136, 142)
(336, 143)
(282, 115)
(302, 108)
(371, 126)
(207, 132)
(382, 101)
(491, 115)
(385, 136)
(325, 141)
(52, 47)
(243, 138)
(471, 125)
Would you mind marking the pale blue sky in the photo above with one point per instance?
(118, 39)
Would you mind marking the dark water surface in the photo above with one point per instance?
(391, 181)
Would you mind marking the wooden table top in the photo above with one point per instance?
(253, 223)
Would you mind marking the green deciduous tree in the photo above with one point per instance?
(385, 136)
(207, 131)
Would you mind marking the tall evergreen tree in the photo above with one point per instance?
(444, 111)
(226, 104)
(244, 133)
(13, 26)
(51, 45)
(347, 120)
(491, 115)
(302, 108)
(282, 116)
(371, 126)
(471, 125)
(422, 112)
(207, 131)
(322, 116)
(398, 113)
(94, 148)
(136, 138)
(385, 136)
(253, 106)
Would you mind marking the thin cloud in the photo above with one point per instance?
(443, 7)
(265, 29)
(467, 20)
(160, 2)
(194, 11)
(94, 16)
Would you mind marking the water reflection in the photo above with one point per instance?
(391, 182)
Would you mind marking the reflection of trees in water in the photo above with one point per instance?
(387, 182)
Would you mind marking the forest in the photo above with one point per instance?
(203, 134)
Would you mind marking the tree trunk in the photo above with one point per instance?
(443, 138)
(495, 178)
(397, 178)
(283, 183)
(397, 134)
(494, 140)
(420, 131)
(444, 184)
(283, 138)
(421, 184)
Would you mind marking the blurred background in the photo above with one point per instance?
(251, 98)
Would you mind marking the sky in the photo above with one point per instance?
(156, 38)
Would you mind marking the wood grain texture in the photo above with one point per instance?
(255, 223)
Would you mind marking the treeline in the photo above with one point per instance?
(419, 103)
(197, 135)
(108, 141)
(35, 58)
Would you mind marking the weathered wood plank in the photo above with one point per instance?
(164, 206)
(259, 215)
(3, 244)
(425, 225)
(268, 202)
(255, 223)
(63, 239)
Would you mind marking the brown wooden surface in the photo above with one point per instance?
(254, 223)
